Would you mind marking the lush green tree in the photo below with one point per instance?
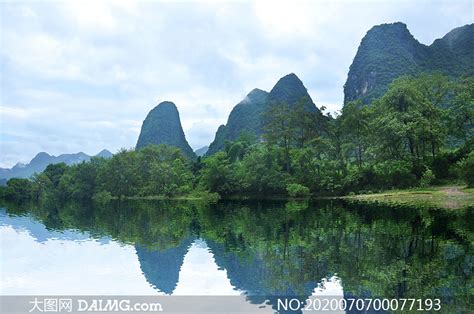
(217, 174)
(17, 190)
(79, 181)
(237, 149)
(467, 169)
(279, 129)
(120, 175)
(354, 122)
(420, 123)
(163, 170)
(261, 173)
(461, 109)
(307, 125)
(54, 172)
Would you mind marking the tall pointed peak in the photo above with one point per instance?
(397, 29)
(389, 51)
(291, 78)
(165, 105)
(290, 89)
(289, 83)
(162, 125)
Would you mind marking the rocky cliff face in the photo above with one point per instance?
(162, 125)
(247, 115)
(389, 51)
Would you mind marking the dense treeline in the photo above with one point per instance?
(419, 133)
(151, 171)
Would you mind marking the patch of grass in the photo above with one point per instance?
(451, 197)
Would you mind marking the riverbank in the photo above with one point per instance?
(450, 197)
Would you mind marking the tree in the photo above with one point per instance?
(79, 181)
(409, 118)
(279, 129)
(354, 122)
(467, 169)
(18, 190)
(307, 124)
(217, 174)
(120, 174)
(259, 172)
(461, 109)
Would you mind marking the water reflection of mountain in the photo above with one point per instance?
(161, 267)
(252, 274)
(284, 249)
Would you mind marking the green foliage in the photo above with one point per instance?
(297, 190)
(102, 198)
(395, 173)
(292, 126)
(17, 190)
(354, 123)
(261, 173)
(467, 169)
(217, 175)
(427, 178)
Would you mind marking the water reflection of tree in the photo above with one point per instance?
(275, 248)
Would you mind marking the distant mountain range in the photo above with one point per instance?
(201, 151)
(389, 51)
(42, 160)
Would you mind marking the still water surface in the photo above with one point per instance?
(260, 250)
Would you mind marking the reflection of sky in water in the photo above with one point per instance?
(40, 233)
(35, 260)
(58, 266)
(200, 274)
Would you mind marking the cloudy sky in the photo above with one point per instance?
(81, 76)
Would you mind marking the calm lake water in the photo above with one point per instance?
(257, 249)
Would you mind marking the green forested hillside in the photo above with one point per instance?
(389, 51)
(247, 116)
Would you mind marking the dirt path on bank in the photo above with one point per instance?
(453, 191)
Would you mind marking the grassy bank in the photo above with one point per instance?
(452, 197)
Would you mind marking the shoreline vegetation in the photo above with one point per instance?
(446, 196)
(417, 135)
